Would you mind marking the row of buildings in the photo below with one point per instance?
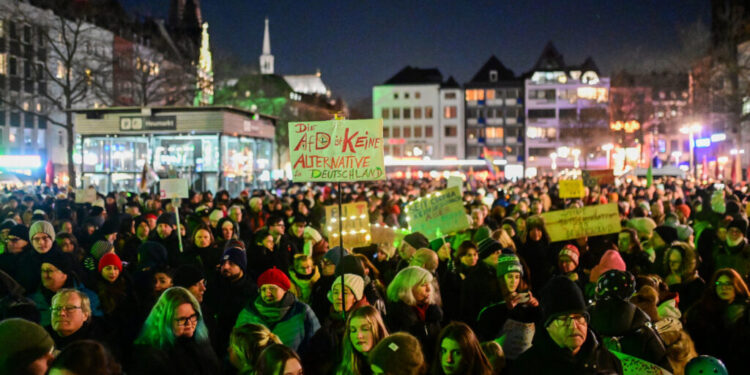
(558, 115)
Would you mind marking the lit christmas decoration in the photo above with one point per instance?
(205, 83)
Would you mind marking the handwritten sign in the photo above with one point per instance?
(598, 177)
(571, 188)
(355, 223)
(437, 214)
(173, 188)
(87, 195)
(582, 222)
(339, 150)
(456, 181)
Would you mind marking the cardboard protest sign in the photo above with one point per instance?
(355, 223)
(438, 214)
(598, 177)
(346, 150)
(86, 195)
(516, 338)
(581, 222)
(456, 181)
(173, 188)
(571, 188)
(636, 366)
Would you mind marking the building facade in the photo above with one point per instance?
(566, 117)
(423, 116)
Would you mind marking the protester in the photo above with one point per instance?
(25, 347)
(85, 357)
(246, 342)
(364, 329)
(397, 354)
(278, 359)
(458, 353)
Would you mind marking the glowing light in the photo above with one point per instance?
(723, 159)
(20, 161)
(702, 142)
(718, 137)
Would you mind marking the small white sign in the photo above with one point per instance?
(456, 181)
(173, 188)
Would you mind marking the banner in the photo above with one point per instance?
(346, 150)
(355, 223)
(598, 177)
(571, 188)
(173, 188)
(438, 214)
(582, 222)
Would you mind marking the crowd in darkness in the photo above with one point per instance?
(256, 284)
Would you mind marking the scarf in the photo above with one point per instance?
(274, 312)
(421, 311)
(734, 243)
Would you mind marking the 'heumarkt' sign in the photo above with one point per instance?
(148, 123)
(338, 150)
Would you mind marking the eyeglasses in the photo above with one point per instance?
(66, 309)
(565, 320)
(723, 285)
(190, 320)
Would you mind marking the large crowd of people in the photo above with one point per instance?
(257, 283)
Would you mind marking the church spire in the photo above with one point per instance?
(266, 59)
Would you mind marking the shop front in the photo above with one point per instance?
(215, 148)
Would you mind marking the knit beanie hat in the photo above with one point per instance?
(615, 284)
(508, 263)
(398, 354)
(7, 224)
(354, 282)
(334, 255)
(481, 233)
(99, 248)
(166, 218)
(60, 260)
(187, 275)
(236, 256)
(22, 342)
(274, 276)
(667, 233)
(417, 240)
(42, 227)
(571, 252)
(685, 209)
(559, 297)
(20, 231)
(611, 260)
(740, 224)
(487, 247)
(110, 259)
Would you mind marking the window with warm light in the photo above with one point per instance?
(474, 94)
(490, 94)
(449, 111)
(494, 132)
(428, 112)
(3, 63)
(451, 131)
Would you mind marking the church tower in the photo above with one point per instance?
(266, 59)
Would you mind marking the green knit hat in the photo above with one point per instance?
(22, 342)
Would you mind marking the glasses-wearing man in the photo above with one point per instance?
(71, 310)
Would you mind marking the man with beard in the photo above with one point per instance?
(232, 292)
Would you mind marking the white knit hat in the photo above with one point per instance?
(354, 282)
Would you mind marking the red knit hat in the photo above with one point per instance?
(276, 277)
(110, 259)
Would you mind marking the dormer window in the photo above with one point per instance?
(493, 75)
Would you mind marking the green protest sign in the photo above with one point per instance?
(337, 151)
(437, 214)
(582, 222)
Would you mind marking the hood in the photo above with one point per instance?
(614, 317)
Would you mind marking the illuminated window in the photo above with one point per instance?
(89, 77)
(428, 131)
(494, 132)
(590, 78)
(474, 133)
(2, 28)
(417, 112)
(474, 94)
(542, 94)
(61, 71)
(3, 63)
(449, 111)
(384, 113)
(534, 132)
(490, 94)
(598, 94)
(451, 131)
(428, 112)
(407, 131)
(12, 135)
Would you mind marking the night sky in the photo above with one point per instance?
(358, 44)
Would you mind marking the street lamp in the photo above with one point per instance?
(576, 153)
(553, 156)
(691, 130)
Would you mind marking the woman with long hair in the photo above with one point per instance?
(278, 359)
(174, 338)
(364, 329)
(536, 252)
(459, 353)
(246, 342)
(680, 272)
(203, 245)
(412, 306)
(718, 322)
